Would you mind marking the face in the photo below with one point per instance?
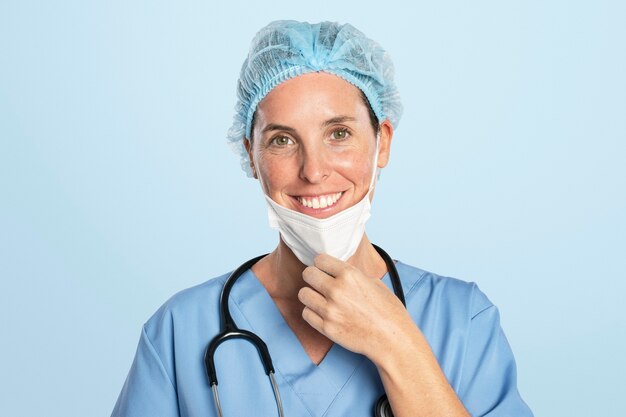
(313, 145)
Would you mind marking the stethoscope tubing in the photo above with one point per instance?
(229, 330)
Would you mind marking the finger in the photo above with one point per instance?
(313, 300)
(313, 319)
(317, 279)
(329, 264)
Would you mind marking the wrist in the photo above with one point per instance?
(396, 345)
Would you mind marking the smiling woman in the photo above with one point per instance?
(351, 331)
(313, 140)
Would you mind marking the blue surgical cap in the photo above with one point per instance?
(285, 49)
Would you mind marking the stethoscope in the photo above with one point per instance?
(229, 330)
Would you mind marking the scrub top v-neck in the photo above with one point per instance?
(168, 379)
(316, 386)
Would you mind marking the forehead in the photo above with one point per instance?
(311, 97)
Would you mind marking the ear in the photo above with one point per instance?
(384, 144)
(247, 143)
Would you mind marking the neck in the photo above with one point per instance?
(281, 271)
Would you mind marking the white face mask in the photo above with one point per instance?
(338, 235)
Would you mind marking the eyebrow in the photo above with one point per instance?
(338, 119)
(274, 126)
(326, 123)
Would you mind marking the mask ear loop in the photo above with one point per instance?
(375, 171)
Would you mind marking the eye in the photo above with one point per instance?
(282, 141)
(340, 134)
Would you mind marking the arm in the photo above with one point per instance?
(414, 382)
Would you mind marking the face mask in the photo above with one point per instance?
(338, 235)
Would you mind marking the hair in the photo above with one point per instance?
(372, 116)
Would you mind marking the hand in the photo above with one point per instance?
(358, 312)
(364, 316)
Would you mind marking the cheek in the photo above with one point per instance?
(275, 173)
(354, 166)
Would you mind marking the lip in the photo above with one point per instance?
(317, 212)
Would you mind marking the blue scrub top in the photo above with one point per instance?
(168, 377)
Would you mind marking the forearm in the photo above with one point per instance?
(413, 380)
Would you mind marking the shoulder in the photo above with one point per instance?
(433, 291)
(200, 302)
(454, 315)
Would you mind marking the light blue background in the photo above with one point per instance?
(117, 187)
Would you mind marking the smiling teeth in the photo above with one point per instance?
(322, 201)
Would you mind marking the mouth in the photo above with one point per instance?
(319, 201)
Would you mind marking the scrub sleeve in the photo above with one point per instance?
(488, 382)
(148, 390)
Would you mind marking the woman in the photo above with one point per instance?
(315, 118)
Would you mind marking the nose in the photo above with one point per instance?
(314, 167)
